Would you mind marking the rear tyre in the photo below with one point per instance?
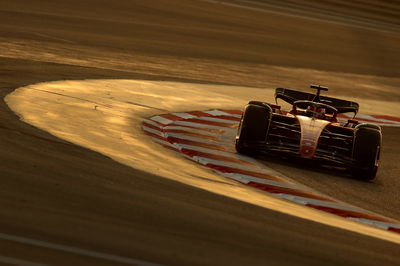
(253, 127)
(366, 151)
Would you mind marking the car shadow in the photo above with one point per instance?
(306, 166)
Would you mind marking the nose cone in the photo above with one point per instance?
(307, 148)
(310, 131)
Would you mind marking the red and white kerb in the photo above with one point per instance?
(199, 136)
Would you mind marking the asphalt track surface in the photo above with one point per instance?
(63, 194)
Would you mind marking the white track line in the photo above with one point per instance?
(373, 119)
(379, 224)
(188, 137)
(74, 250)
(219, 120)
(184, 115)
(239, 166)
(162, 142)
(321, 203)
(161, 120)
(378, 120)
(192, 124)
(245, 179)
(220, 113)
(154, 131)
(18, 262)
(191, 130)
(216, 152)
(150, 122)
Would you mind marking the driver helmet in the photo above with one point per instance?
(321, 111)
(318, 112)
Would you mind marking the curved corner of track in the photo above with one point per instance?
(108, 116)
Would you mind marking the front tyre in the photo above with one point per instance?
(366, 151)
(253, 127)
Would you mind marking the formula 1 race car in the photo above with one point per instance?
(311, 130)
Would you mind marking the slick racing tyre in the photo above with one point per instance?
(368, 126)
(253, 127)
(366, 151)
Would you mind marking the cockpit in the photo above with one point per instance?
(314, 109)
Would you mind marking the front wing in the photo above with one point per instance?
(335, 144)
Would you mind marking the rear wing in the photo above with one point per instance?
(290, 96)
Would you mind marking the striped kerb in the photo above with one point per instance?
(200, 136)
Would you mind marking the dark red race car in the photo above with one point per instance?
(311, 130)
